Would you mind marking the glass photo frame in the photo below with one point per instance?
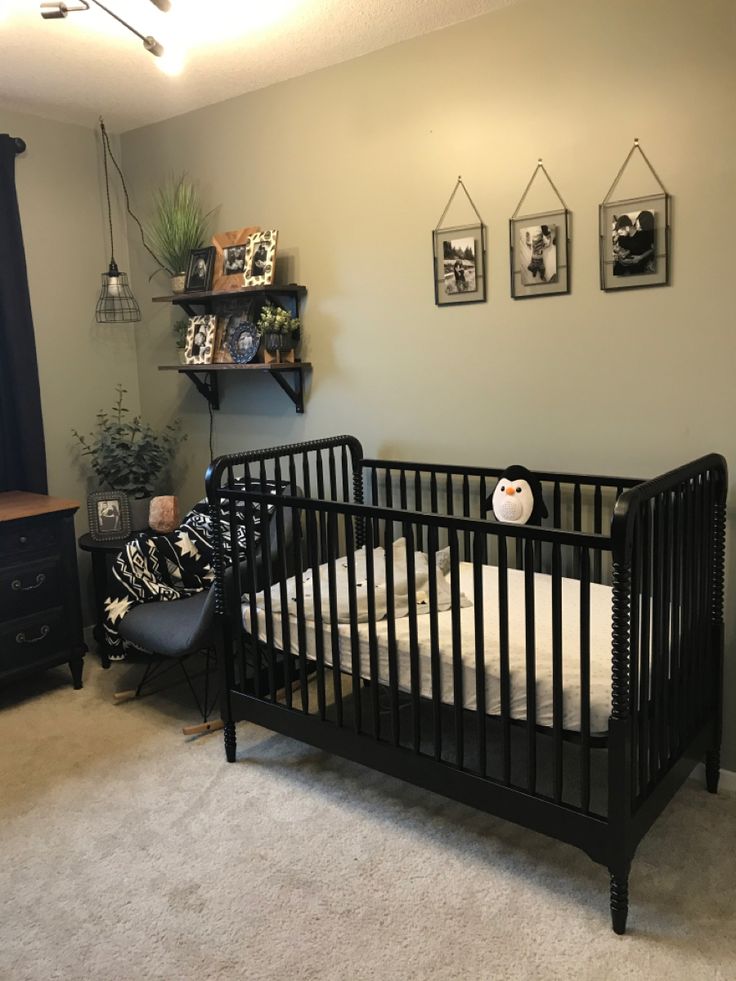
(539, 251)
(459, 264)
(635, 242)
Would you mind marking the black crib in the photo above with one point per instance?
(658, 544)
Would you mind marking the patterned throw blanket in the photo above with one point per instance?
(152, 568)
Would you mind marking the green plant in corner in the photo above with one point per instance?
(127, 454)
(178, 224)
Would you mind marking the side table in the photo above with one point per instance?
(102, 554)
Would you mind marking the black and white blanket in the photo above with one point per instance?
(155, 568)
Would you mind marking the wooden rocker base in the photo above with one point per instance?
(196, 730)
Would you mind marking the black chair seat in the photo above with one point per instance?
(172, 629)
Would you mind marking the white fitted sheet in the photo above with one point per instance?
(600, 647)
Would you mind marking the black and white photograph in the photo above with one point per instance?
(538, 254)
(459, 261)
(539, 247)
(458, 255)
(260, 258)
(109, 515)
(635, 242)
(233, 260)
(199, 273)
(200, 339)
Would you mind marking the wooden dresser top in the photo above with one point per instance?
(21, 504)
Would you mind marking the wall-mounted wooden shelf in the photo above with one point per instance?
(208, 298)
(205, 377)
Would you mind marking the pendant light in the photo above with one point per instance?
(116, 304)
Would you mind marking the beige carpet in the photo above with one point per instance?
(130, 852)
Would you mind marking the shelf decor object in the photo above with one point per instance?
(635, 235)
(230, 258)
(459, 258)
(539, 246)
(260, 258)
(200, 339)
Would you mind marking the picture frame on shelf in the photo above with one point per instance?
(635, 242)
(260, 258)
(242, 339)
(229, 261)
(539, 254)
(109, 515)
(200, 343)
(459, 264)
(200, 270)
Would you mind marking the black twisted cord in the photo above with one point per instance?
(107, 192)
(108, 150)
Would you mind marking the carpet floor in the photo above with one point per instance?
(128, 851)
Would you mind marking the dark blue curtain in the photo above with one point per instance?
(22, 449)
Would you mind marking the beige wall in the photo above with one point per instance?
(354, 164)
(59, 187)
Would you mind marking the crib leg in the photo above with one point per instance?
(619, 902)
(712, 770)
(230, 741)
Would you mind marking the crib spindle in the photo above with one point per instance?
(585, 680)
(414, 682)
(313, 551)
(434, 644)
(393, 669)
(355, 677)
(531, 677)
(479, 559)
(557, 706)
(644, 700)
(370, 585)
(301, 619)
(332, 553)
(457, 653)
(503, 645)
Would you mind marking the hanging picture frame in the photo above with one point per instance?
(635, 235)
(459, 255)
(539, 247)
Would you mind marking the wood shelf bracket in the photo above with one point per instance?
(207, 385)
(296, 394)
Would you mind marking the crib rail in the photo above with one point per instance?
(668, 539)
(574, 501)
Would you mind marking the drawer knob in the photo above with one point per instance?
(22, 639)
(16, 584)
(23, 539)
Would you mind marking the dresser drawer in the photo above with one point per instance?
(19, 538)
(35, 638)
(34, 585)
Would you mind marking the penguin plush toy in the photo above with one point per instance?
(517, 498)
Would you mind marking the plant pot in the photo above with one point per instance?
(139, 508)
(178, 282)
(277, 347)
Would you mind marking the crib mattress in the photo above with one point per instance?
(600, 647)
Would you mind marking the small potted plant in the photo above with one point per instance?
(178, 226)
(279, 332)
(179, 330)
(128, 455)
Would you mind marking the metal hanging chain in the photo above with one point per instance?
(634, 148)
(447, 206)
(540, 166)
(108, 150)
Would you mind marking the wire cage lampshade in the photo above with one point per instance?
(116, 303)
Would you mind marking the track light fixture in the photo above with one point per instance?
(56, 9)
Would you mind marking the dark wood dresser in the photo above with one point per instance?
(40, 611)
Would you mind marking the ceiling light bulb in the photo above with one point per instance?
(164, 5)
(152, 45)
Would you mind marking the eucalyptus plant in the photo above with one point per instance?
(127, 454)
(178, 224)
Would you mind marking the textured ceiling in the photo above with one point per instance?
(86, 65)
